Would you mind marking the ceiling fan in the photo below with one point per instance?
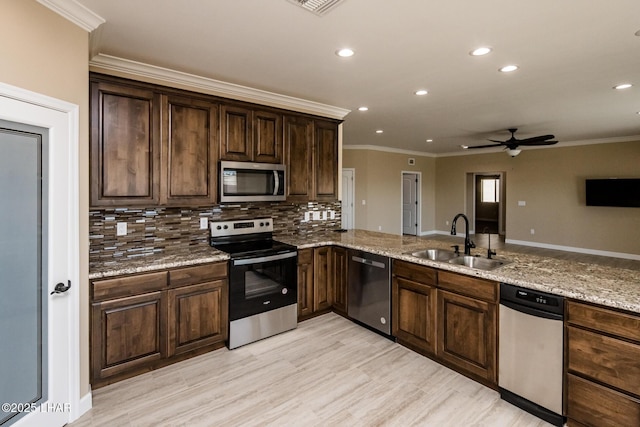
(511, 144)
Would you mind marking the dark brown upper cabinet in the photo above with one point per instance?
(250, 135)
(189, 142)
(311, 156)
(125, 145)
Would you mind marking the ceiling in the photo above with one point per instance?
(571, 54)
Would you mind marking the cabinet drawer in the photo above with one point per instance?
(129, 285)
(604, 320)
(607, 360)
(415, 272)
(470, 286)
(197, 274)
(594, 405)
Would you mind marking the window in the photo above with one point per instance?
(490, 190)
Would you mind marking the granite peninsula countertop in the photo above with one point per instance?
(586, 281)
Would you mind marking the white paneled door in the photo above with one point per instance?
(38, 265)
(410, 203)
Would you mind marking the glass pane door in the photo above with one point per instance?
(23, 301)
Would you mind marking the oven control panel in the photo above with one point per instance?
(242, 226)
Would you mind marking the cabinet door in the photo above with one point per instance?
(322, 286)
(127, 334)
(326, 160)
(236, 133)
(298, 147)
(197, 316)
(467, 331)
(414, 314)
(125, 145)
(339, 278)
(305, 282)
(189, 143)
(267, 137)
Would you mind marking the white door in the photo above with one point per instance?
(410, 203)
(38, 251)
(348, 195)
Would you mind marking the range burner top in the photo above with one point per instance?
(247, 238)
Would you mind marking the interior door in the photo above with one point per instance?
(410, 203)
(348, 194)
(35, 325)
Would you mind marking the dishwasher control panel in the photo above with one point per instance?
(537, 298)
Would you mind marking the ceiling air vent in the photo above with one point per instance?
(318, 7)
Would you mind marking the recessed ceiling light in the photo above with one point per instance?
(508, 68)
(379, 131)
(429, 140)
(363, 109)
(345, 53)
(464, 146)
(623, 86)
(480, 51)
(421, 92)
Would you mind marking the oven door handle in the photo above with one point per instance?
(277, 257)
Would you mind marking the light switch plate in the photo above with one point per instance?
(332, 214)
(522, 203)
(121, 229)
(204, 223)
(307, 216)
(316, 215)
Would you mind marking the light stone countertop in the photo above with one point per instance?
(586, 281)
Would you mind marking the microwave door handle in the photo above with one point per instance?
(276, 186)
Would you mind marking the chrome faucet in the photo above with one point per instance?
(468, 244)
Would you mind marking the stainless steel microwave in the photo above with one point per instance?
(252, 182)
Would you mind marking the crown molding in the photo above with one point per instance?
(75, 12)
(388, 150)
(108, 63)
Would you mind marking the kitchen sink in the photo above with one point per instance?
(477, 262)
(434, 254)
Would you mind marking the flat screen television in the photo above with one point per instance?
(619, 192)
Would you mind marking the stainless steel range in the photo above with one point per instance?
(263, 280)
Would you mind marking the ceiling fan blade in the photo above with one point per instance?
(486, 146)
(494, 140)
(531, 143)
(536, 139)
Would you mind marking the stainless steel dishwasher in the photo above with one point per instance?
(369, 293)
(530, 351)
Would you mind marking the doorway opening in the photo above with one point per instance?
(410, 191)
(486, 195)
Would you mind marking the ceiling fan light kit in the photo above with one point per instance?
(511, 145)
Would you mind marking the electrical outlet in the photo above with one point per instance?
(364, 202)
(522, 203)
(325, 215)
(446, 222)
(533, 231)
(307, 216)
(316, 215)
(332, 214)
(204, 223)
(379, 228)
(121, 229)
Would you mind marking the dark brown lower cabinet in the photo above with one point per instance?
(128, 333)
(317, 279)
(414, 306)
(339, 263)
(602, 355)
(197, 316)
(145, 321)
(467, 335)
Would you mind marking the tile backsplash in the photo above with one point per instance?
(154, 230)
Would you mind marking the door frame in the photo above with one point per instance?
(418, 199)
(61, 118)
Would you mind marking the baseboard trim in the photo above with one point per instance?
(85, 404)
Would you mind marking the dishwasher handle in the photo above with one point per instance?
(368, 262)
(532, 311)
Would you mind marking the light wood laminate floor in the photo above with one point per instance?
(327, 372)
